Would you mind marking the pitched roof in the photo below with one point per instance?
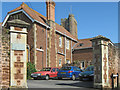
(37, 16)
(32, 13)
(83, 43)
(64, 31)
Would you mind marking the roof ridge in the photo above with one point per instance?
(33, 10)
(25, 5)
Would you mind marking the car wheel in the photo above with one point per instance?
(73, 77)
(91, 79)
(59, 78)
(47, 77)
(81, 79)
(35, 78)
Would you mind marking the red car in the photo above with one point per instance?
(45, 73)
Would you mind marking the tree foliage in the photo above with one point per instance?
(30, 69)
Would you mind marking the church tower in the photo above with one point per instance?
(70, 24)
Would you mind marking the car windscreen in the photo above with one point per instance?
(65, 68)
(46, 69)
(89, 68)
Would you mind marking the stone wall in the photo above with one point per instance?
(113, 62)
(0, 55)
(105, 57)
(5, 63)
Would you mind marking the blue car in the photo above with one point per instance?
(71, 72)
(87, 74)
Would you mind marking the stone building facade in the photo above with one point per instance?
(105, 60)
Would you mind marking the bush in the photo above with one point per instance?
(30, 69)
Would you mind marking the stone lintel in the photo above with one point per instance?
(22, 32)
(18, 23)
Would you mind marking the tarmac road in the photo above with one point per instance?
(65, 83)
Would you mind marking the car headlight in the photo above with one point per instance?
(39, 74)
(31, 74)
(91, 74)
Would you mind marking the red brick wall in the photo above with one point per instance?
(62, 58)
(83, 55)
(53, 49)
(41, 42)
(60, 49)
(30, 41)
(68, 51)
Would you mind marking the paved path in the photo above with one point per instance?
(60, 84)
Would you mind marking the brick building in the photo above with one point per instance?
(27, 33)
(48, 44)
(83, 52)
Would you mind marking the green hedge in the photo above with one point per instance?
(30, 69)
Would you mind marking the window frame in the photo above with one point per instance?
(60, 41)
(67, 44)
(60, 63)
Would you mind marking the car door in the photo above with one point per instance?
(77, 70)
(53, 72)
(56, 71)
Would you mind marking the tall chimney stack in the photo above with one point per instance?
(50, 6)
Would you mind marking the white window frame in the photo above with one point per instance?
(68, 61)
(67, 44)
(60, 41)
(60, 62)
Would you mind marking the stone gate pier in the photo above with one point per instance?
(14, 55)
(105, 58)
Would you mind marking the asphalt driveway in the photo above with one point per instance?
(66, 83)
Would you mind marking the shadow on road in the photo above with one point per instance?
(85, 84)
